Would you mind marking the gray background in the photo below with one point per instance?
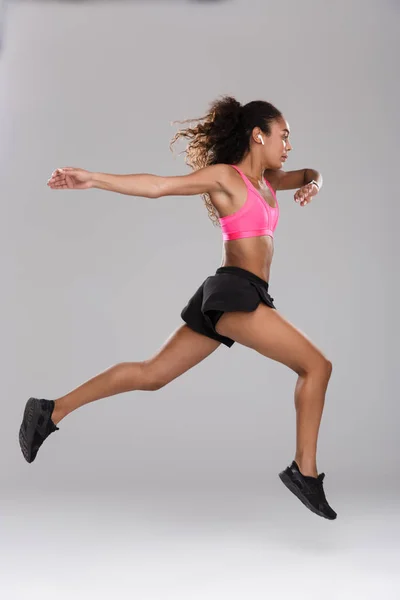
(91, 278)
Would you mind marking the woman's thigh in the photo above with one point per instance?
(183, 350)
(269, 333)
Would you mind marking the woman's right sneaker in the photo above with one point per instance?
(36, 426)
(309, 490)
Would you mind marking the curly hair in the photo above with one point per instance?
(223, 135)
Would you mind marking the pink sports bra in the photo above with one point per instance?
(256, 217)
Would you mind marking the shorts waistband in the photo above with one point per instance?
(243, 273)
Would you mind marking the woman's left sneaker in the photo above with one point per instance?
(309, 490)
(36, 426)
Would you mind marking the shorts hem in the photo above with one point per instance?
(223, 340)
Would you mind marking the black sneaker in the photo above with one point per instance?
(308, 489)
(36, 426)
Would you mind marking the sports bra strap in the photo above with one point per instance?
(246, 179)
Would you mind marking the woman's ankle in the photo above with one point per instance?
(306, 465)
(58, 413)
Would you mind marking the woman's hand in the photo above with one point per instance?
(305, 193)
(69, 178)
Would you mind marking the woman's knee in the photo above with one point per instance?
(152, 378)
(320, 364)
(138, 376)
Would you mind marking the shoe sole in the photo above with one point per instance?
(295, 490)
(26, 436)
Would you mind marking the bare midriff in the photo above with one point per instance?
(253, 254)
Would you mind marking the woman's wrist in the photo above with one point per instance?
(98, 181)
(313, 176)
(316, 184)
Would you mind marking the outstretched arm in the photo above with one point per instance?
(209, 179)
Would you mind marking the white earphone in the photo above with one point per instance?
(261, 138)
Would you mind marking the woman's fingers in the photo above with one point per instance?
(303, 200)
(60, 173)
(56, 181)
(304, 194)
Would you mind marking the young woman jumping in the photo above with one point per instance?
(236, 152)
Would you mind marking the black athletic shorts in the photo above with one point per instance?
(230, 289)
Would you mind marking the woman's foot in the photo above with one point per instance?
(309, 490)
(36, 426)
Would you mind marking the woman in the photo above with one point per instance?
(237, 153)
